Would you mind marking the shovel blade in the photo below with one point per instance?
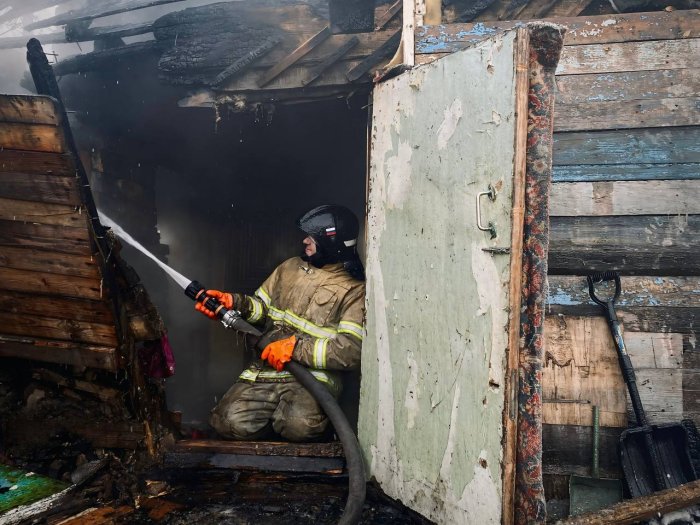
(670, 444)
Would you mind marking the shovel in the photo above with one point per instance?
(587, 494)
(652, 457)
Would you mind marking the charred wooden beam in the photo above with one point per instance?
(295, 55)
(261, 448)
(201, 460)
(331, 59)
(383, 51)
(100, 59)
(92, 12)
(242, 63)
(387, 17)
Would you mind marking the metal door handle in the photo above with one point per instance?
(490, 227)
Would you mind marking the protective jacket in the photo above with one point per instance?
(322, 307)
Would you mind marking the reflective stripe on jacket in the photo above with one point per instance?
(322, 307)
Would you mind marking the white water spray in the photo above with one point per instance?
(118, 230)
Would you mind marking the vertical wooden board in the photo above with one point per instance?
(650, 350)
(581, 370)
(433, 364)
(661, 392)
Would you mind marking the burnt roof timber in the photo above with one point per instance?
(90, 13)
(305, 48)
(85, 35)
(390, 13)
(330, 60)
(97, 59)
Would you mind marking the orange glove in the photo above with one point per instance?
(224, 298)
(280, 352)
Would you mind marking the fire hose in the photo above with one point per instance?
(353, 457)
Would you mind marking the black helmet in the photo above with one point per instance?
(334, 228)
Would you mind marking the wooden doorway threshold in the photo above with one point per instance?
(321, 458)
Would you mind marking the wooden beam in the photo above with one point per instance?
(50, 284)
(16, 161)
(294, 56)
(639, 509)
(389, 15)
(603, 29)
(634, 245)
(331, 59)
(663, 112)
(51, 189)
(52, 238)
(628, 172)
(572, 290)
(99, 59)
(57, 263)
(42, 213)
(45, 327)
(650, 319)
(408, 33)
(32, 137)
(26, 109)
(244, 62)
(626, 85)
(629, 56)
(97, 11)
(62, 352)
(261, 448)
(61, 307)
(631, 146)
(573, 199)
(510, 411)
(382, 52)
(200, 460)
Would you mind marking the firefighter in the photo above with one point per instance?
(312, 310)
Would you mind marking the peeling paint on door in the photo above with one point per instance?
(433, 361)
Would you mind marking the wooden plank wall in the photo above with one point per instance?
(52, 300)
(625, 196)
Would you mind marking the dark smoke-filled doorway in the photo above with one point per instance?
(216, 195)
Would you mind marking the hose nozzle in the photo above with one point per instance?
(229, 318)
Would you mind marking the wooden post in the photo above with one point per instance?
(408, 36)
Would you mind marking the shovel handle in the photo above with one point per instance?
(608, 305)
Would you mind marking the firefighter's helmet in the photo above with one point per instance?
(334, 229)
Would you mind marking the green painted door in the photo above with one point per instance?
(434, 358)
